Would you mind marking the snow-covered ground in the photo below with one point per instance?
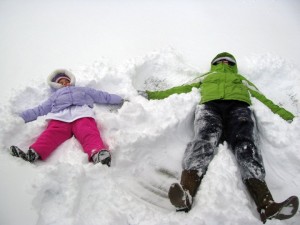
(124, 46)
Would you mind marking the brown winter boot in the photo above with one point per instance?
(266, 207)
(181, 195)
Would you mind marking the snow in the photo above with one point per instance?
(124, 46)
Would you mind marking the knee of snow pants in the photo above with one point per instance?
(249, 160)
(239, 125)
(54, 135)
(86, 132)
(208, 130)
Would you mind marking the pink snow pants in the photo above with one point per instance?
(85, 131)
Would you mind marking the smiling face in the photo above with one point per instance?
(61, 78)
(64, 82)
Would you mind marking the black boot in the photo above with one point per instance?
(181, 195)
(266, 207)
(30, 156)
(103, 157)
(15, 151)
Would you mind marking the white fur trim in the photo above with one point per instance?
(225, 58)
(57, 85)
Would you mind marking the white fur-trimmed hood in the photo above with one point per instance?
(55, 85)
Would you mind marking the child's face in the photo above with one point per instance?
(64, 82)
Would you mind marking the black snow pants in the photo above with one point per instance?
(218, 121)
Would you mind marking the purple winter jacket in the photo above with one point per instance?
(70, 96)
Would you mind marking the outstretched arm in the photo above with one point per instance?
(174, 90)
(41, 110)
(283, 113)
(103, 97)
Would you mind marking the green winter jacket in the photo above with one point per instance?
(223, 83)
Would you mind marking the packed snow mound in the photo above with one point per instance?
(147, 140)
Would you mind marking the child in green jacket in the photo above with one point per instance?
(224, 115)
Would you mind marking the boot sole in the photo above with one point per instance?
(289, 208)
(178, 198)
(106, 161)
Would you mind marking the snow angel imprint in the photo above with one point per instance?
(224, 115)
(69, 111)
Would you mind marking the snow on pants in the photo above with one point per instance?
(85, 131)
(218, 121)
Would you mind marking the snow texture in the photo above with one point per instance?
(147, 138)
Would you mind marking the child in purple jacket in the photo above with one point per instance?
(69, 112)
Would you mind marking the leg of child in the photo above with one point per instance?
(55, 134)
(87, 133)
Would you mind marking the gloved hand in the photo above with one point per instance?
(123, 101)
(143, 93)
(114, 108)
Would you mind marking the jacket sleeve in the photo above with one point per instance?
(102, 97)
(283, 113)
(41, 110)
(174, 90)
